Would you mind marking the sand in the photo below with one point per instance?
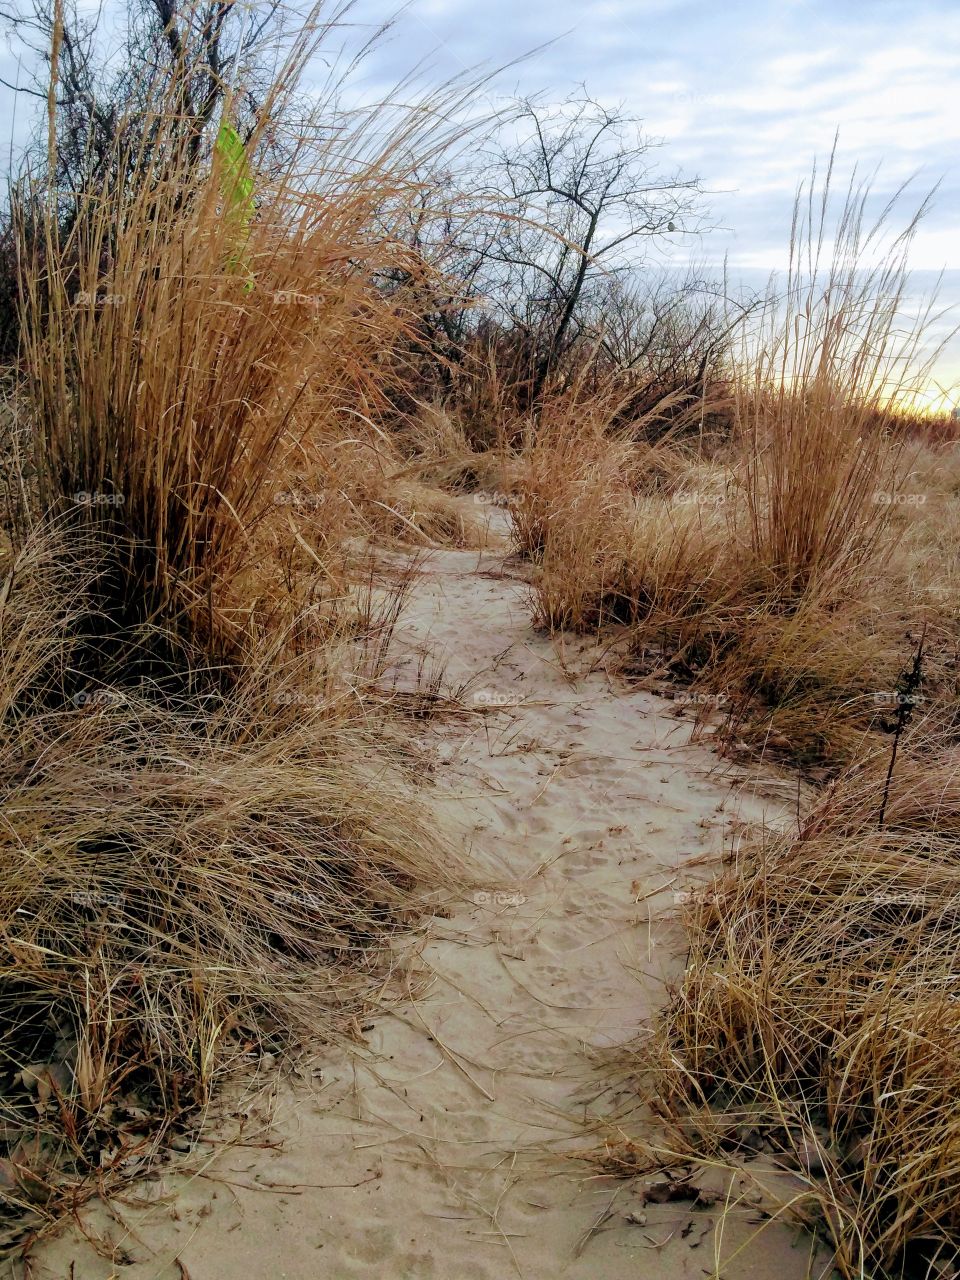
(441, 1148)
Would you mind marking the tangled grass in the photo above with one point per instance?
(788, 571)
(184, 883)
(767, 568)
(818, 1015)
(209, 839)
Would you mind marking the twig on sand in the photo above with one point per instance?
(605, 1215)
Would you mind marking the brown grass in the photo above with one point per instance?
(176, 362)
(766, 569)
(183, 883)
(209, 842)
(817, 1016)
(790, 573)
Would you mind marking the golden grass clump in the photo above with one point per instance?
(208, 839)
(820, 375)
(177, 354)
(439, 451)
(666, 555)
(573, 491)
(818, 1015)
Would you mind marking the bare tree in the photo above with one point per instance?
(103, 93)
(577, 198)
(675, 330)
(105, 90)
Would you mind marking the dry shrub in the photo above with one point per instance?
(933, 429)
(928, 526)
(644, 561)
(818, 1013)
(816, 1016)
(569, 515)
(660, 543)
(438, 451)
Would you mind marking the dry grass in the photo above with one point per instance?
(184, 881)
(573, 485)
(829, 356)
(767, 570)
(176, 361)
(671, 562)
(364, 484)
(209, 839)
(817, 1016)
(791, 574)
(438, 451)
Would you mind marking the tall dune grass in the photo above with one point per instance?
(822, 373)
(185, 882)
(817, 1017)
(178, 354)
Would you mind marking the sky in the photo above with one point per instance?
(745, 94)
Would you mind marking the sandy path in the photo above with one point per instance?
(437, 1152)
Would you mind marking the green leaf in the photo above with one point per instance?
(236, 183)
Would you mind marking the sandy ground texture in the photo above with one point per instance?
(444, 1147)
